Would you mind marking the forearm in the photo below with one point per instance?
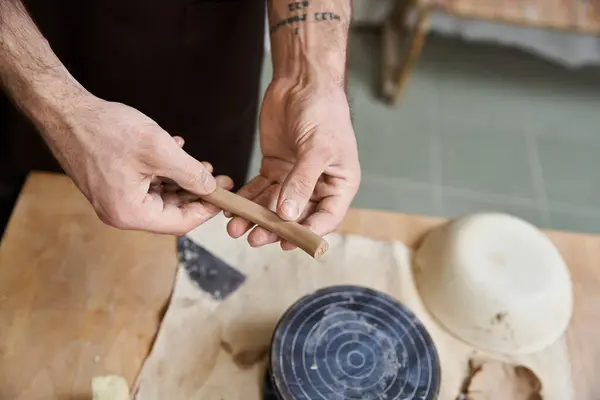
(30, 72)
(309, 40)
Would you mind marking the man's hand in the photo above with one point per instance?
(130, 169)
(310, 171)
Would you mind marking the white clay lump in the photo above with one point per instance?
(495, 282)
(111, 387)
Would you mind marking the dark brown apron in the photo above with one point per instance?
(192, 66)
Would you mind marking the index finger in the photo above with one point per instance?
(168, 218)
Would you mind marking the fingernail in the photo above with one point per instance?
(208, 166)
(179, 140)
(209, 182)
(290, 209)
(224, 181)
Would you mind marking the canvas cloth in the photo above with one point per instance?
(213, 345)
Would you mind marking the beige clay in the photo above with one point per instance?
(111, 387)
(496, 380)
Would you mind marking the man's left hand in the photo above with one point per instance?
(310, 171)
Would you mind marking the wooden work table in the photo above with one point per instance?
(79, 299)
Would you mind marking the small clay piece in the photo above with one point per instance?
(496, 380)
(111, 387)
(349, 342)
(495, 282)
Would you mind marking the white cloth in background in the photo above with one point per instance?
(568, 49)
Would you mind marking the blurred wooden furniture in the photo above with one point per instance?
(582, 16)
(80, 299)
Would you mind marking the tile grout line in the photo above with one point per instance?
(438, 189)
(491, 197)
(535, 166)
(436, 151)
(486, 197)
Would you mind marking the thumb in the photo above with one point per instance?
(189, 173)
(299, 186)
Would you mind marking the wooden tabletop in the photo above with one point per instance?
(79, 299)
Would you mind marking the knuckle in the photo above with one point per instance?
(199, 179)
(156, 149)
(326, 152)
(157, 140)
(301, 185)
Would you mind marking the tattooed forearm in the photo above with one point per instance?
(298, 5)
(309, 39)
(327, 16)
(300, 13)
(288, 22)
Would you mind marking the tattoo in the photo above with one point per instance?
(298, 8)
(288, 21)
(298, 5)
(327, 16)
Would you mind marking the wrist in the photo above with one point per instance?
(306, 69)
(47, 96)
(52, 98)
(291, 90)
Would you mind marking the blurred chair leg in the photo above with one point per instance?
(396, 69)
(391, 39)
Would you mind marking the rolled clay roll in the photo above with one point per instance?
(495, 282)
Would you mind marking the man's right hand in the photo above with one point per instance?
(117, 156)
